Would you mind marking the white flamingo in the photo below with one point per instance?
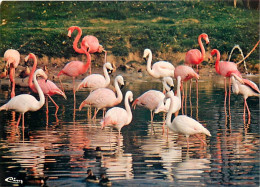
(102, 98)
(159, 69)
(185, 125)
(164, 105)
(119, 117)
(25, 102)
(95, 81)
(248, 89)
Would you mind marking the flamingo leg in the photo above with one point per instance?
(225, 101)
(18, 121)
(244, 114)
(152, 115)
(94, 117)
(190, 98)
(186, 93)
(248, 111)
(229, 94)
(23, 120)
(74, 95)
(47, 106)
(57, 107)
(13, 83)
(182, 90)
(197, 96)
(203, 142)
(163, 126)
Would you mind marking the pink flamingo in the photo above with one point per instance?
(194, 56)
(104, 97)
(25, 102)
(89, 43)
(117, 116)
(74, 69)
(149, 100)
(48, 87)
(159, 69)
(226, 69)
(247, 89)
(12, 58)
(95, 81)
(186, 73)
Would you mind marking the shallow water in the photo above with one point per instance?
(53, 147)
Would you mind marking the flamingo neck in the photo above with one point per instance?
(149, 64)
(201, 47)
(30, 81)
(170, 112)
(106, 75)
(86, 66)
(217, 62)
(179, 89)
(118, 91)
(128, 108)
(39, 90)
(76, 41)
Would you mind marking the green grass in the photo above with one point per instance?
(123, 27)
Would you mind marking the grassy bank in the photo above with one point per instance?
(127, 27)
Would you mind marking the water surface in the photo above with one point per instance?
(53, 146)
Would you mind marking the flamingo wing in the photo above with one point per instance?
(193, 56)
(252, 85)
(116, 116)
(23, 103)
(73, 69)
(91, 43)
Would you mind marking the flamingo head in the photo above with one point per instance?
(213, 52)
(82, 105)
(120, 80)
(205, 37)
(100, 49)
(41, 73)
(70, 30)
(109, 67)
(31, 55)
(131, 96)
(168, 83)
(147, 52)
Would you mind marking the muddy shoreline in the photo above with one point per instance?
(133, 68)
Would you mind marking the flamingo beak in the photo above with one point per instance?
(69, 33)
(110, 71)
(64, 95)
(172, 87)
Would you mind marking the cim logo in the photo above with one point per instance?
(13, 180)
